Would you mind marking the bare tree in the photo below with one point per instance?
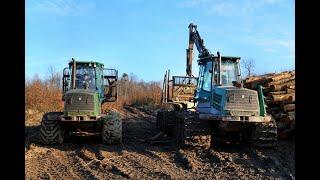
(124, 80)
(248, 65)
(54, 77)
(124, 77)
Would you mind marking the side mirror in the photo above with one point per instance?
(65, 81)
(66, 72)
(237, 84)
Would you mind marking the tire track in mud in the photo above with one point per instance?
(145, 166)
(137, 159)
(87, 162)
(79, 166)
(150, 166)
(50, 166)
(122, 167)
(192, 161)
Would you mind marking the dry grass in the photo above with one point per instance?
(45, 95)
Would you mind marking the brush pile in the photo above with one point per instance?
(279, 90)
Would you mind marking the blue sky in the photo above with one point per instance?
(146, 37)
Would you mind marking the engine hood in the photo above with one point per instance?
(235, 101)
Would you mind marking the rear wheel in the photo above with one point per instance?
(51, 131)
(190, 131)
(112, 128)
(166, 121)
(159, 120)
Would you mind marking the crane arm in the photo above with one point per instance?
(195, 38)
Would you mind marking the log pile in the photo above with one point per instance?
(280, 99)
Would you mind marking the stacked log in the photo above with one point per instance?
(279, 90)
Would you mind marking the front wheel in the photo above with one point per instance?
(111, 128)
(51, 131)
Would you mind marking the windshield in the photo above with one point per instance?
(201, 71)
(85, 77)
(205, 77)
(228, 73)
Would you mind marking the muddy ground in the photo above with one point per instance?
(84, 157)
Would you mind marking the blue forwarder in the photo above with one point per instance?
(225, 112)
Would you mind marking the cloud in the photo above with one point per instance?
(274, 42)
(232, 8)
(290, 56)
(223, 9)
(272, 1)
(193, 3)
(251, 6)
(284, 48)
(253, 19)
(135, 1)
(271, 50)
(62, 7)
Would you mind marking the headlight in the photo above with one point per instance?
(230, 98)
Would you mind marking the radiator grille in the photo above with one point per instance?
(216, 101)
(79, 102)
(245, 100)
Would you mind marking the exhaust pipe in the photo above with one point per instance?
(73, 74)
(219, 69)
(165, 85)
(239, 73)
(168, 86)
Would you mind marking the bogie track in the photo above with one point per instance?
(264, 134)
(188, 131)
(185, 129)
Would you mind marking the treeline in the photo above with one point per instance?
(135, 92)
(45, 95)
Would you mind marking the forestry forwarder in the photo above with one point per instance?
(225, 111)
(84, 92)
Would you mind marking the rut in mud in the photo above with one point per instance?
(84, 157)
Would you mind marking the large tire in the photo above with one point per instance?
(51, 131)
(170, 118)
(265, 134)
(190, 131)
(111, 128)
(166, 121)
(179, 129)
(159, 120)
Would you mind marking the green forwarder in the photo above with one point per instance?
(86, 85)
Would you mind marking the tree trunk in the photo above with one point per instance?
(277, 93)
(252, 79)
(282, 86)
(289, 107)
(279, 115)
(282, 97)
(288, 119)
(281, 77)
(288, 90)
(282, 81)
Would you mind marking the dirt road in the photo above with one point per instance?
(84, 157)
